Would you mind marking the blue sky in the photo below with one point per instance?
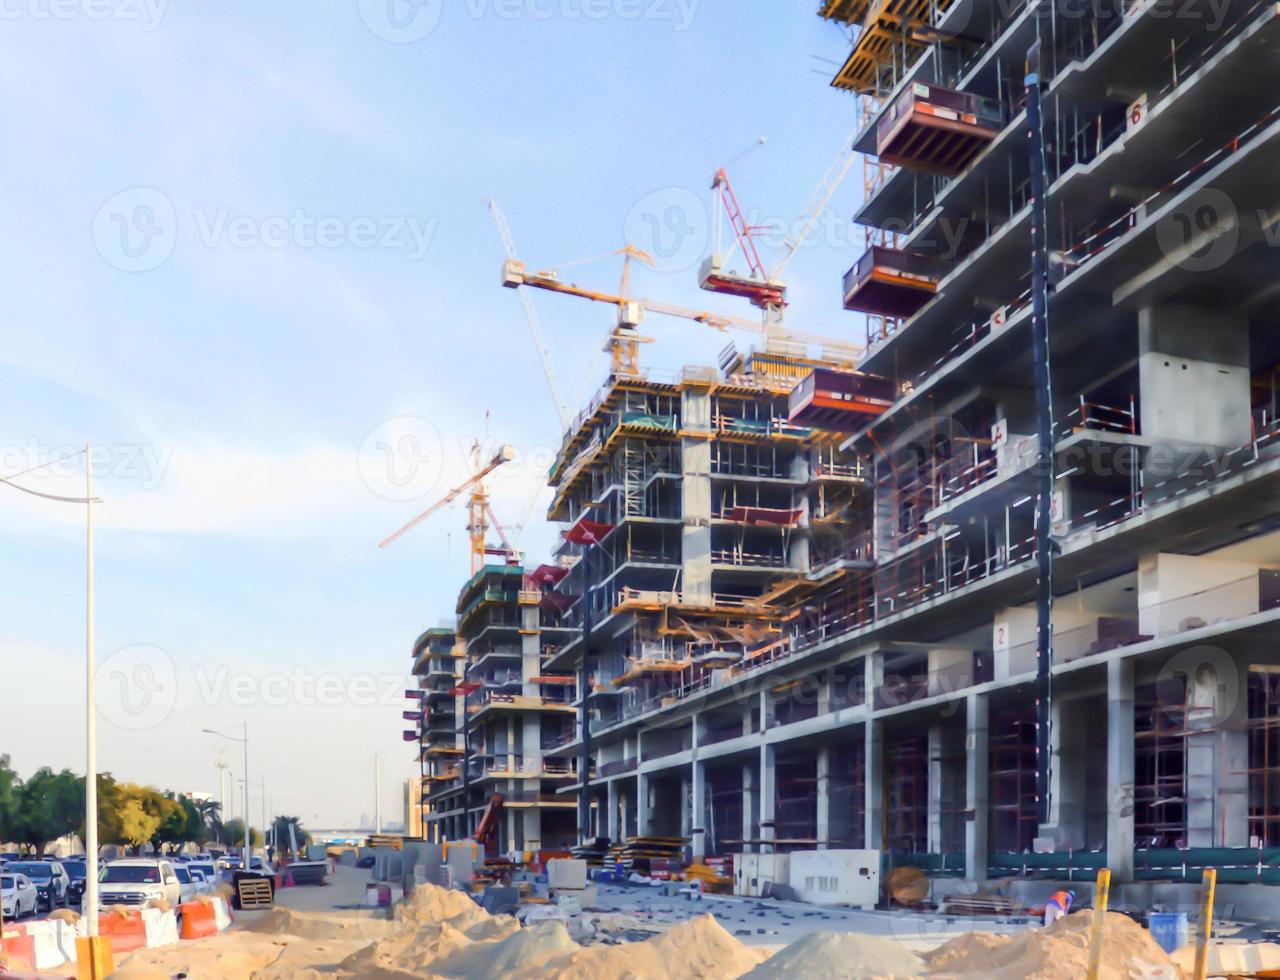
(247, 244)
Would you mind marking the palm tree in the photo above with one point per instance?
(211, 814)
(280, 834)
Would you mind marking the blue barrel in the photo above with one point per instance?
(1169, 930)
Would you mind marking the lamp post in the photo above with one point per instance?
(243, 740)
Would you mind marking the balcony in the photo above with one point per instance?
(891, 282)
(936, 129)
(839, 401)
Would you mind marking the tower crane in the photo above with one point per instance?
(624, 340)
(535, 325)
(479, 513)
(765, 288)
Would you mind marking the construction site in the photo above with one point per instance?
(987, 587)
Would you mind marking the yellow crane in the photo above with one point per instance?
(479, 514)
(624, 340)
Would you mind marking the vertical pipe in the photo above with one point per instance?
(1101, 898)
(1044, 424)
(90, 906)
(1206, 923)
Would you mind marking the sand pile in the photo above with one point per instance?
(1060, 952)
(317, 925)
(442, 934)
(840, 956)
(699, 949)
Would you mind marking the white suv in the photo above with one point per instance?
(136, 881)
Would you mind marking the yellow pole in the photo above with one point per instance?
(1101, 895)
(1206, 922)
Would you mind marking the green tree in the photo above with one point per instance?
(138, 817)
(9, 786)
(210, 812)
(49, 805)
(280, 835)
(234, 830)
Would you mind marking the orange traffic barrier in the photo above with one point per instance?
(20, 949)
(198, 920)
(125, 929)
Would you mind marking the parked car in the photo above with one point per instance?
(50, 879)
(76, 870)
(230, 863)
(18, 896)
(203, 885)
(207, 869)
(136, 881)
(188, 889)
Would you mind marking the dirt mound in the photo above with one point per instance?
(1059, 952)
(524, 953)
(316, 925)
(840, 956)
(430, 904)
(699, 949)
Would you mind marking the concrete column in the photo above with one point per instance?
(695, 494)
(934, 825)
(644, 803)
(873, 746)
(768, 793)
(976, 783)
(748, 806)
(1217, 760)
(824, 797)
(611, 806)
(699, 829)
(1120, 769)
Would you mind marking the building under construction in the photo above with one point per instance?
(802, 602)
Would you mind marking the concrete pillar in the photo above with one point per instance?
(699, 829)
(873, 746)
(611, 810)
(768, 793)
(1120, 769)
(824, 797)
(1217, 760)
(686, 815)
(748, 806)
(695, 494)
(1193, 370)
(976, 786)
(934, 826)
(644, 790)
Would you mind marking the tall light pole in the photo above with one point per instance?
(91, 754)
(90, 717)
(244, 740)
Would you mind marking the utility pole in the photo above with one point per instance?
(90, 905)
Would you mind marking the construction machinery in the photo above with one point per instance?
(479, 513)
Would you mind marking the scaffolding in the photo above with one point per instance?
(1014, 822)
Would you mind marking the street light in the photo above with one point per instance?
(244, 740)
